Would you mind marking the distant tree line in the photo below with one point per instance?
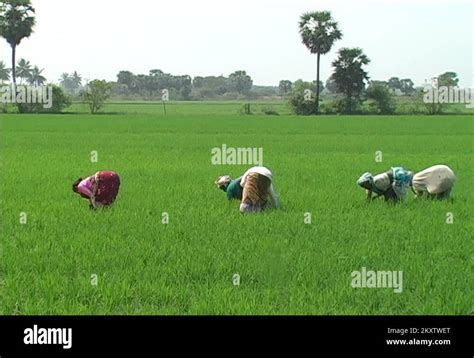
(182, 87)
(348, 89)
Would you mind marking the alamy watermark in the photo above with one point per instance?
(11, 94)
(433, 93)
(231, 156)
(377, 279)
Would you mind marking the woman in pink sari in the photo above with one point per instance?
(101, 188)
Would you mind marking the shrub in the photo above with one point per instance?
(301, 98)
(348, 105)
(270, 111)
(95, 94)
(328, 107)
(430, 107)
(382, 99)
(59, 102)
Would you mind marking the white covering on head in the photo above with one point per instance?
(382, 182)
(223, 180)
(435, 180)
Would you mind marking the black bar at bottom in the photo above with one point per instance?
(397, 334)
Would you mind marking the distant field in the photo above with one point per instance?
(187, 266)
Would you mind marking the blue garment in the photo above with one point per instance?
(401, 181)
(234, 190)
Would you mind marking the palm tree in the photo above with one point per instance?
(23, 69)
(76, 80)
(16, 23)
(65, 81)
(4, 72)
(318, 31)
(36, 78)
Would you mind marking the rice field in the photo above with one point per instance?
(59, 257)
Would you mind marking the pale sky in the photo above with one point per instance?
(98, 38)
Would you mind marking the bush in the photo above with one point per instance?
(270, 111)
(348, 105)
(409, 105)
(382, 99)
(59, 102)
(328, 107)
(301, 99)
(430, 107)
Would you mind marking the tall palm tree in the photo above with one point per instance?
(16, 23)
(318, 32)
(23, 70)
(4, 72)
(36, 78)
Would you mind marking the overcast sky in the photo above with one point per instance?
(98, 38)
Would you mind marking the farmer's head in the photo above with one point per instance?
(223, 182)
(366, 181)
(75, 184)
(378, 184)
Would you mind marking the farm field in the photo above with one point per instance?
(188, 266)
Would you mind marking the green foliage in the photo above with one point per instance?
(4, 72)
(23, 69)
(319, 31)
(60, 102)
(301, 99)
(270, 111)
(95, 94)
(349, 105)
(71, 83)
(240, 82)
(448, 79)
(36, 78)
(350, 78)
(380, 94)
(394, 83)
(331, 85)
(329, 106)
(431, 108)
(285, 87)
(407, 87)
(17, 19)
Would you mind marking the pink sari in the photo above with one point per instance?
(107, 184)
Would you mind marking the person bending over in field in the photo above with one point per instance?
(393, 185)
(435, 182)
(101, 188)
(254, 189)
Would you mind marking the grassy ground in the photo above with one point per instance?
(187, 266)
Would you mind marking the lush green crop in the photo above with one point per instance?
(187, 266)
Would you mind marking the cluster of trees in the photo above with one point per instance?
(17, 20)
(25, 72)
(349, 81)
(405, 85)
(181, 87)
(71, 83)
